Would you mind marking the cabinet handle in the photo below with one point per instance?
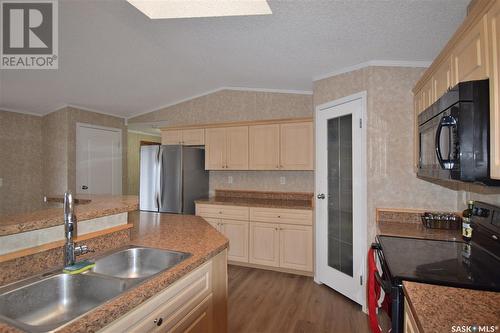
(158, 321)
(279, 216)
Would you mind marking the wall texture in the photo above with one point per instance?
(391, 180)
(235, 105)
(59, 147)
(133, 154)
(20, 162)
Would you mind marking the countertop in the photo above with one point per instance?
(90, 208)
(258, 202)
(439, 308)
(185, 233)
(416, 230)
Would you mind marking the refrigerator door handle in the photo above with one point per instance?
(158, 185)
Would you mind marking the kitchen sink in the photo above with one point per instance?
(50, 302)
(138, 262)
(46, 302)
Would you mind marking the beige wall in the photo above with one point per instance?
(133, 153)
(59, 147)
(233, 105)
(391, 180)
(20, 162)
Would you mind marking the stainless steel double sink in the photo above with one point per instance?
(46, 302)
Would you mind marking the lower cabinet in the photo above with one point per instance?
(296, 246)
(264, 244)
(186, 306)
(237, 233)
(410, 325)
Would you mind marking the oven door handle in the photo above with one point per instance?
(446, 121)
(384, 284)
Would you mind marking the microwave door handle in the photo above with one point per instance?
(438, 145)
(446, 121)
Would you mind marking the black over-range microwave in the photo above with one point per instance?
(454, 135)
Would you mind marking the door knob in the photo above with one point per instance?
(321, 196)
(85, 187)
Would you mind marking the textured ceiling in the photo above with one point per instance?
(115, 60)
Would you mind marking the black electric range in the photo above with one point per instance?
(474, 265)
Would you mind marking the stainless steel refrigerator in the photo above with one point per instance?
(171, 178)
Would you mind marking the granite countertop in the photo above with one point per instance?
(258, 202)
(185, 233)
(416, 230)
(90, 207)
(438, 308)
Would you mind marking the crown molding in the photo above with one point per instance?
(21, 112)
(144, 133)
(374, 63)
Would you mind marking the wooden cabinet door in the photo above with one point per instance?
(264, 244)
(237, 233)
(264, 147)
(215, 148)
(441, 80)
(193, 137)
(493, 23)
(427, 95)
(296, 146)
(237, 148)
(469, 56)
(171, 137)
(197, 321)
(296, 246)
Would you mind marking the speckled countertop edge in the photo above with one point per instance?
(265, 203)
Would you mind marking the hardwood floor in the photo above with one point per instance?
(267, 301)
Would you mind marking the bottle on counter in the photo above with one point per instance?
(466, 221)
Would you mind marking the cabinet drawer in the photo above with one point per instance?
(172, 305)
(222, 211)
(275, 215)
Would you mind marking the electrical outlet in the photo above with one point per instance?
(282, 180)
(230, 179)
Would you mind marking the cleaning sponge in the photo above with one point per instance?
(79, 267)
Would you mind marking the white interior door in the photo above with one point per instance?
(98, 160)
(341, 196)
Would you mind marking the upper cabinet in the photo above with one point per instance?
(471, 54)
(296, 148)
(493, 29)
(187, 137)
(286, 146)
(226, 148)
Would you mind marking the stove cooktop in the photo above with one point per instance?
(449, 263)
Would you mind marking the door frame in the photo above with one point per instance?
(359, 182)
(79, 126)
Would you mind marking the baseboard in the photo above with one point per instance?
(270, 268)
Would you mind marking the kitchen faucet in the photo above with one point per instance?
(70, 250)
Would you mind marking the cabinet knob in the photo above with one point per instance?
(279, 216)
(158, 321)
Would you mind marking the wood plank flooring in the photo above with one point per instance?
(267, 301)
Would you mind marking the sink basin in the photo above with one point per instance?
(48, 303)
(138, 262)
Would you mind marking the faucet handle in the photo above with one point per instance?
(82, 249)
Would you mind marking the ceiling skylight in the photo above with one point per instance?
(165, 9)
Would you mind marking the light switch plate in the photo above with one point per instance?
(282, 180)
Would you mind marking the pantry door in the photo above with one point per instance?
(98, 160)
(341, 196)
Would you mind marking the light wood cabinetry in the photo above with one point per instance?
(493, 29)
(410, 325)
(264, 244)
(226, 148)
(264, 147)
(471, 54)
(188, 305)
(187, 137)
(270, 237)
(296, 147)
(296, 243)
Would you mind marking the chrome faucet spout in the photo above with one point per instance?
(70, 250)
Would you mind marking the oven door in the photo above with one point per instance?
(439, 146)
